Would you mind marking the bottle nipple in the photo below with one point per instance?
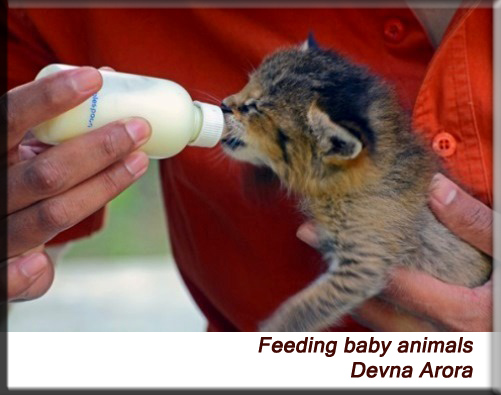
(212, 125)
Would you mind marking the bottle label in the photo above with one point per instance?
(93, 110)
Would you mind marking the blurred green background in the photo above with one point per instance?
(121, 279)
(135, 224)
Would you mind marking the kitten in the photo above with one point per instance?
(335, 136)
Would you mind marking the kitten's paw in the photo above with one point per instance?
(288, 318)
(273, 324)
(297, 315)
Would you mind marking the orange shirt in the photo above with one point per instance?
(232, 228)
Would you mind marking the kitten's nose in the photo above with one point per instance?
(225, 108)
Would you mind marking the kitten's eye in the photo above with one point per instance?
(248, 106)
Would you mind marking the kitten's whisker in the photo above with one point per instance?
(216, 100)
(251, 65)
(217, 157)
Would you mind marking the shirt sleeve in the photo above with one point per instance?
(27, 53)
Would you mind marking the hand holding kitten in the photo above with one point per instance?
(415, 301)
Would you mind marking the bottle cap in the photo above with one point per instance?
(212, 125)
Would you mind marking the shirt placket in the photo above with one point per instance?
(445, 115)
(466, 127)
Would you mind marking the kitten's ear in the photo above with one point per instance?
(333, 141)
(310, 43)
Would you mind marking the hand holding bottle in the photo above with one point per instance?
(176, 121)
(52, 189)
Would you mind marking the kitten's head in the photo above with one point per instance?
(309, 115)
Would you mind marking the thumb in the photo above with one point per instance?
(307, 233)
(28, 277)
(461, 213)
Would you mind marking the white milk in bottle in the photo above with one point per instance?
(176, 120)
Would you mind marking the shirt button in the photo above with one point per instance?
(444, 144)
(394, 30)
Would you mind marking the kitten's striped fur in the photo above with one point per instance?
(335, 135)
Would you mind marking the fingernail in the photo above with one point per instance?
(138, 130)
(86, 79)
(32, 265)
(306, 233)
(137, 163)
(443, 190)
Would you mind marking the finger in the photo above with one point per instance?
(465, 216)
(33, 144)
(35, 102)
(455, 307)
(29, 276)
(28, 148)
(26, 152)
(306, 233)
(379, 315)
(66, 165)
(42, 221)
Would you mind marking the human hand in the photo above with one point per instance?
(51, 188)
(415, 301)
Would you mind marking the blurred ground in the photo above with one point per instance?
(121, 279)
(132, 295)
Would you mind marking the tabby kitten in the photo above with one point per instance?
(335, 136)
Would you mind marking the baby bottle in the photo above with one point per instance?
(176, 120)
